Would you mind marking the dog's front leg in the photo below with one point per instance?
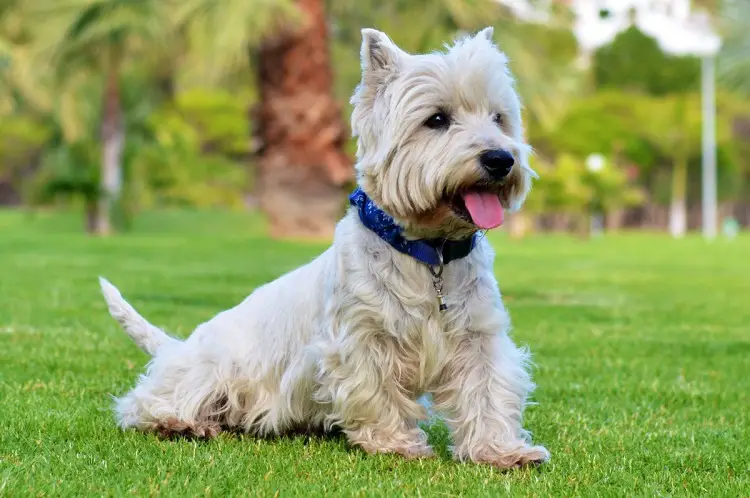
(371, 406)
(482, 395)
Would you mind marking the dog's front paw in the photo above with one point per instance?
(509, 457)
(408, 451)
(417, 451)
(410, 444)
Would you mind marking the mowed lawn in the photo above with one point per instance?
(641, 344)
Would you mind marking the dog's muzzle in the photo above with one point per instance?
(497, 163)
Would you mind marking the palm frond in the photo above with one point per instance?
(221, 34)
(734, 58)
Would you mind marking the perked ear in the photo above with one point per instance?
(487, 33)
(380, 56)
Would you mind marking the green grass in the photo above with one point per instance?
(641, 344)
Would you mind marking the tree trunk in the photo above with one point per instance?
(519, 225)
(614, 220)
(92, 214)
(678, 206)
(302, 167)
(113, 141)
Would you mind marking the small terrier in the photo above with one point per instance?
(404, 302)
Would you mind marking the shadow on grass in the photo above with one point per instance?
(437, 432)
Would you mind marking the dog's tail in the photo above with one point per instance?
(148, 337)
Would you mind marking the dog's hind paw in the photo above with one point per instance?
(178, 428)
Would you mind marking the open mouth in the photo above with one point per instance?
(480, 207)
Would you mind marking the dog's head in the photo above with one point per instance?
(440, 139)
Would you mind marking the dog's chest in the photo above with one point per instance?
(390, 297)
(425, 338)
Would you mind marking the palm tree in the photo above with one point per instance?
(98, 37)
(672, 126)
(675, 139)
(302, 167)
(22, 85)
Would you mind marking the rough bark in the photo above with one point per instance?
(302, 166)
(113, 141)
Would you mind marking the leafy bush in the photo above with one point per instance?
(568, 186)
(194, 158)
(22, 142)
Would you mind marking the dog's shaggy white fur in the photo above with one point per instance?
(352, 339)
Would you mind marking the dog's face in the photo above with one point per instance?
(440, 138)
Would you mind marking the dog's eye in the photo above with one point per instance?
(438, 121)
(498, 119)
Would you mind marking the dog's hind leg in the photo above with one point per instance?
(184, 392)
(149, 411)
(151, 414)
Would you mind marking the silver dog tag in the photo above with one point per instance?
(437, 282)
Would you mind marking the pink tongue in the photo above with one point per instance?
(484, 208)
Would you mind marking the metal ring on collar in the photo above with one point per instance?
(439, 272)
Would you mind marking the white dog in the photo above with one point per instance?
(403, 303)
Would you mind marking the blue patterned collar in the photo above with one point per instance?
(425, 250)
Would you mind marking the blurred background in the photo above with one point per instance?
(639, 110)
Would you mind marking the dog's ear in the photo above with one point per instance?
(487, 34)
(380, 56)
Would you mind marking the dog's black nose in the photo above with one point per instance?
(498, 163)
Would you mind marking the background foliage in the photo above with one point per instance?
(188, 90)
